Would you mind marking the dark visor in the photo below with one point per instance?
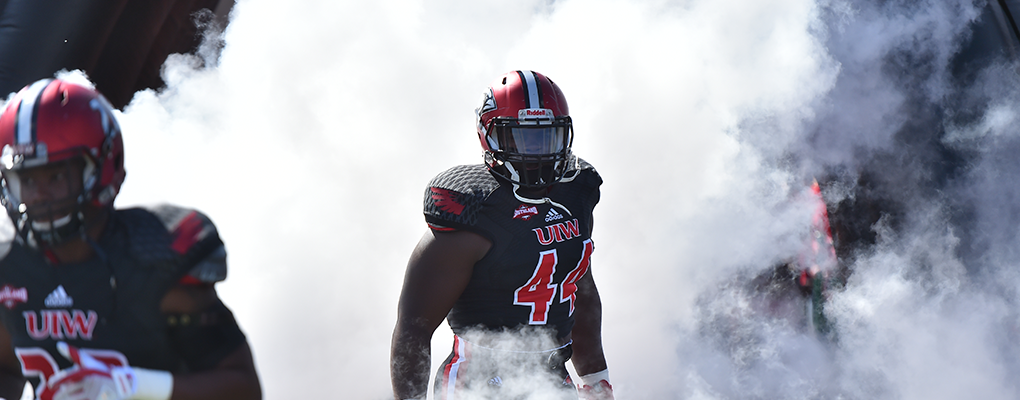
(534, 140)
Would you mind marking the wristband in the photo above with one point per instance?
(152, 384)
(594, 378)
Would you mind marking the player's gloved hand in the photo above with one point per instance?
(88, 379)
(91, 379)
(599, 391)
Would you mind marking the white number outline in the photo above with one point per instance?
(567, 288)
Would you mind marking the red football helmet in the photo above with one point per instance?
(51, 122)
(525, 129)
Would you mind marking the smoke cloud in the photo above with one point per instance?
(311, 137)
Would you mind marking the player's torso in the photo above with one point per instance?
(539, 251)
(109, 302)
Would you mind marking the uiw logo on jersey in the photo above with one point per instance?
(60, 324)
(557, 232)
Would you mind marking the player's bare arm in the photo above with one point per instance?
(437, 273)
(12, 383)
(587, 333)
(234, 377)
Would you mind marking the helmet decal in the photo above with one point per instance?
(488, 102)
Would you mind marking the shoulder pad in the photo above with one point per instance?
(193, 236)
(454, 197)
(186, 227)
(584, 172)
(582, 164)
(211, 269)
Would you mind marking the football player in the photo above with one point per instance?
(506, 261)
(98, 302)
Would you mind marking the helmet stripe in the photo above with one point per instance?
(531, 88)
(27, 112)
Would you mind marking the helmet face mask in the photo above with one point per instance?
(525, 129)
(534, 155)
(62, 160)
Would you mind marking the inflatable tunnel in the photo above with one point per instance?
(120, 44)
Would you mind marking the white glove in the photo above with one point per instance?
(91, 379)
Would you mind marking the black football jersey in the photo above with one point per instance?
(109, 306)
(540, 247)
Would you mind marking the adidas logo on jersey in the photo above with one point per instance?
(553, 215)
(58, 299)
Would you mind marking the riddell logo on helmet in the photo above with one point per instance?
(535, 113)
(24, 149)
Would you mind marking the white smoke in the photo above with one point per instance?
(311, 141)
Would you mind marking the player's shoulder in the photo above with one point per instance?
(454, 197)
(583, 172)
(183, 227)
(584, 165)
(170, 217)
(474, 179)
(181, 233)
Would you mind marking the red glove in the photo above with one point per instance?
(600, 391)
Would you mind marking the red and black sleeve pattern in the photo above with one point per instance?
(194, 238)
(454, 198)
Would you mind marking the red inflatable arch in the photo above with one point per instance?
(120, 44)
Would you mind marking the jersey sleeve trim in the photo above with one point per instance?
(440, 228)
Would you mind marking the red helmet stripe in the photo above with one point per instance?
(27, 112)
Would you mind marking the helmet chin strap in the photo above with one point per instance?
(55, 231)
(517, 178)
(49, 226)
